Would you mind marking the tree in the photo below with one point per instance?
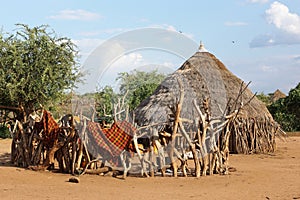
(286, 111)
(141, 93)
(36, 67)
(136, 85)
(266, 99)
(293, 102)
(104, 103)
(139, 85)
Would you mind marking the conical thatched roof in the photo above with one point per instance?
(202, 75)
(277, 95)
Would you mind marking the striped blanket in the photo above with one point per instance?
(111, 142)
(50, 128)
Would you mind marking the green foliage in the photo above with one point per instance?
(293, 102)
(287, 121)
(266, 99)
(36, 67)
(141, 93)
(4, 132)
(104, 102)
(62, 105)
(136, 85)
(139, 85)
(286, 111)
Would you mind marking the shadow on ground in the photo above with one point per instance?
(5, 159)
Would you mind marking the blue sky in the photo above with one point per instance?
(258, 40)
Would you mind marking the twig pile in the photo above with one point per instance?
(37, 143)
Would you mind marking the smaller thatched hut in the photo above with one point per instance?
(277, 95)
(204, 76)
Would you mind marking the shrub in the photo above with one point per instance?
(4, 132)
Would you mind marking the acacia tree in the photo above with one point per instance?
(139, 85)
(134, 86)
(36, 67)
(105, 98)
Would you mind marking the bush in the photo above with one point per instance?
(4, 132)
(286, 111)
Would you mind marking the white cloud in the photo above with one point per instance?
(79, 14)
(125, 63)
(262, 40)
(269, 73)
(86, 46)
(235, 23)
(116, 53)
(88, 43)
(129, 61)
(267, 68)
(297, 58)
(258, 1)
(277, 38)
(280, 16)
(133, 61)
(168, 64)
(287, 26)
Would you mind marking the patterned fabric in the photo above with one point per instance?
(100, 138)
(113, 141)
(50, 129)
(120, 134)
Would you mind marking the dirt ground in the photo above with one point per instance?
(272, 176)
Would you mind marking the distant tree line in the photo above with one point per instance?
(286, 111)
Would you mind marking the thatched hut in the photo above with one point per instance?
(277, 95)
(204, 76)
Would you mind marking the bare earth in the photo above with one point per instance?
(272, 176)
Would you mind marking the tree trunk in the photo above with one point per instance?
(24, 144)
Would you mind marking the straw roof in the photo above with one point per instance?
(277, 95)
(202, 75)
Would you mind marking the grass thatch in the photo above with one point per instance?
(204, 76)
(277, 95)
